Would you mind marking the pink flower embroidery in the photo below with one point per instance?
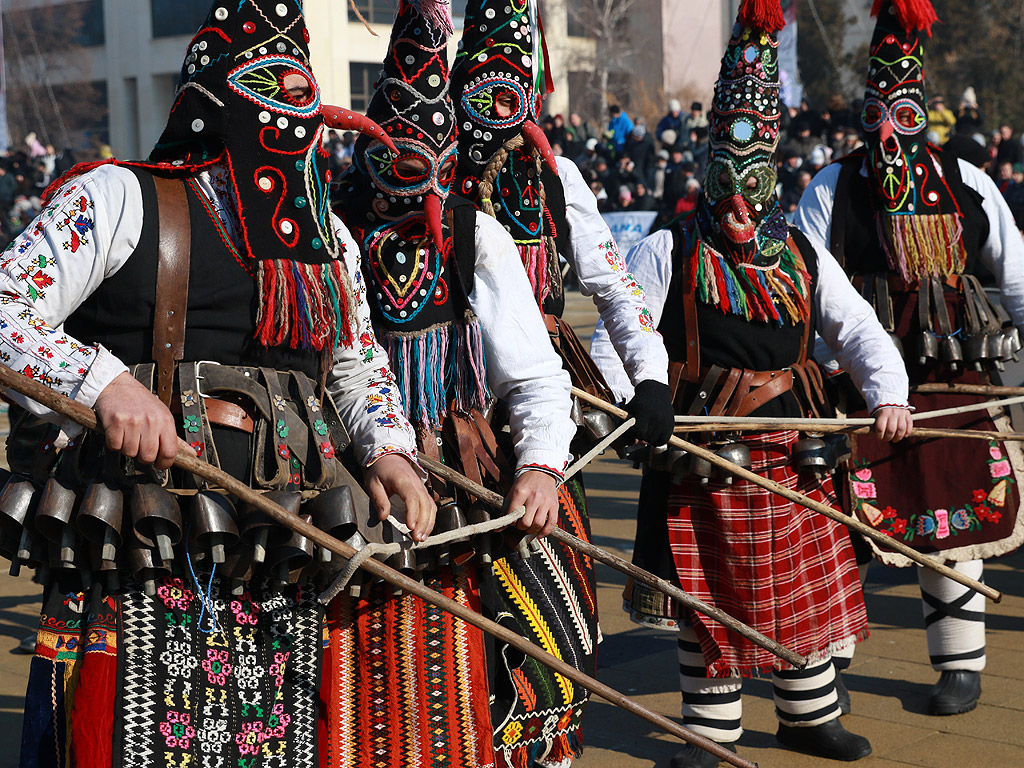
(942, 517)
(1000, 468)
(995, 452)
(177, 730)
(863, 474)
(865, 490)
(216, 666)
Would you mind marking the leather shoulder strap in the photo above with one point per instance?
(679, 266)
(174, 250)
(801, 246)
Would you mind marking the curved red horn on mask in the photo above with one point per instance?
(432, 206)
(343, 119)
(536, 137)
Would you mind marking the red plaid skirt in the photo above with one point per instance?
(786, 571)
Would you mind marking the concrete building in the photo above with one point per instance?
(132, 51)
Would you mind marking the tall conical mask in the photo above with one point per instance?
(918, 218)
(499, 79)
(739, 212)
(413, 106)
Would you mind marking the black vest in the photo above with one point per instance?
(855, 241)
(732, 341)
(221, 316)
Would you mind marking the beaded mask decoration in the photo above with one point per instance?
(741, 260)
(394, 204)
(918, 218)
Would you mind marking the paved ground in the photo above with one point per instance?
(889, 679)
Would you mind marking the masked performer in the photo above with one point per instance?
(212, 282)
(507, 168)
(914, 227)
(738, 295)
(454, 309)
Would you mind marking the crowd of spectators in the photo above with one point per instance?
(25, 171)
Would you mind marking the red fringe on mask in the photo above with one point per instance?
(764, 15)
(913, 15)
(303, 306)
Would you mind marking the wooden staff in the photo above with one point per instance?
(985, 390)
(713, 425)
(815, 506)
(189, 462)
(665, 587)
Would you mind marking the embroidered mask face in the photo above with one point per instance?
(739, 210)
(248, 98)
(413, 106)
(498, 81)
(895, 116)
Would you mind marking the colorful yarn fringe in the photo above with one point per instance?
(303, 306)
(914, 15)
(440, 366)
(535, 259)
(438, 14)
(560, 752)
(774, 295)
(762, 15)
(928, 245)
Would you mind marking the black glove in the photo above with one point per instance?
(651, 406)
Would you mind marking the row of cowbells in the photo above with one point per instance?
(981, 351)
(142, 530)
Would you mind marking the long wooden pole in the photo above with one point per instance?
(985, 390)
(665, 587)
(711, 425)
(805, 501)
(189, 462)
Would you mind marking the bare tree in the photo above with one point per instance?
(41, 49)
(607, 23)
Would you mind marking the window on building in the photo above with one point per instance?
(53, 26)
(374, 11)
(362, 77)
(91, 31)
(177, 17)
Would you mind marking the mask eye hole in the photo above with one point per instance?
(906, 117)
(297, 88)
(411, 169)
(447, 172)
(725, 179)
(505, 104)
(872, 115)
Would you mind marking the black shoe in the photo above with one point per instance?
(829, 740)
(695, 757)
(955, 693)
(843, 693)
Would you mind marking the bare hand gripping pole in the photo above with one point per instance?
(804, 501)
(187, 461)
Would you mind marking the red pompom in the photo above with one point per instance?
(763, 15)
(913, 15)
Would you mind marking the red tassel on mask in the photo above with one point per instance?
(764, 15)
(913, 15)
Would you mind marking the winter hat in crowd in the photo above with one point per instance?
(675, 106)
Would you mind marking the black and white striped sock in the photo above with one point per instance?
(806, 697)
(712, 707)
(954, 619)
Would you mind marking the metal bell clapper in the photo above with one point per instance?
(263, 531)
(100, 517)
(156, 518)
(951, 353)
(995, 350)
(293, 555)
(145, 566)
(927, 348)
(213, 524)
(333, 511)
(1011, 343)
(810, 454)
(53, 518)
(17, 502)
(975, 349)
(478, 515)
(738, 454)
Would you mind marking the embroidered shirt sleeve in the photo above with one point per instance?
(603, 275)
(849, 326)
(651, 262)
(522, 366)
(361, 381)
(87, 232)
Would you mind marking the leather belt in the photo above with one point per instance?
(898, 285)
(223, 413)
